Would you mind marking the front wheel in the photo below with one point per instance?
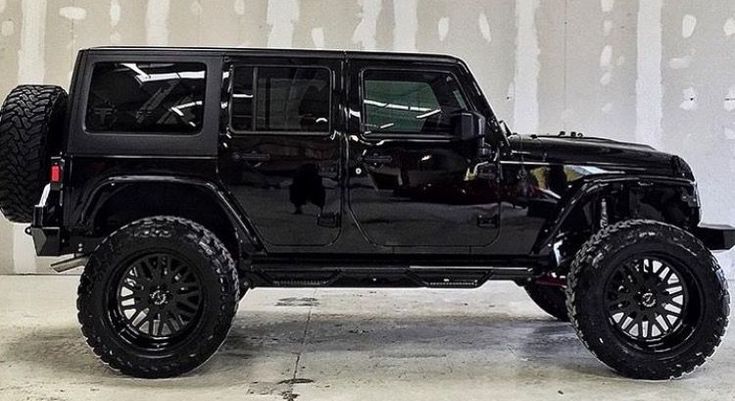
(648, 299)
(157, 297)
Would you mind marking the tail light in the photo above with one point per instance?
(56, 173)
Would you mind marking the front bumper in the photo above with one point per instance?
(717, 237)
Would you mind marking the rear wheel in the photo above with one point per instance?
(31, 120)
(157, 297)
(549, 294)
(648, 299)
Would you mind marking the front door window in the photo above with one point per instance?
(413, 103)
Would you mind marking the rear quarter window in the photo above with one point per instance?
(150, 97)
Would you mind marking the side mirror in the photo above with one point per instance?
(468, 125)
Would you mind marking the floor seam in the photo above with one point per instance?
(289, 394)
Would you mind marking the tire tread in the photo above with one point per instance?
(587, 257)
(25, 124)
(98, 268)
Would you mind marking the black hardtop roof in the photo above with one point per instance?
(242, 51)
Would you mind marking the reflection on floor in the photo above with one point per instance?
(490, 343)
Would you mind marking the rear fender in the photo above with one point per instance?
(112, 188)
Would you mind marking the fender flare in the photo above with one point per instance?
(584, 188)
(103, 191)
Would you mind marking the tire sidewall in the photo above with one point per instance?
(49, 139)
(699, 270)
(218, 306)
(31, 127)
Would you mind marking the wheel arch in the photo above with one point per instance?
(108, 208)
(670, 200)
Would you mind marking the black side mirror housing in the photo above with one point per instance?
(468, 125)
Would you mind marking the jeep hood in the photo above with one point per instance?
(595, 152)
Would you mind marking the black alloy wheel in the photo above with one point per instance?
(648, 299)
(155, 300)
(652, 305)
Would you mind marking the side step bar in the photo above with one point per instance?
(414, 276)
(68, 264)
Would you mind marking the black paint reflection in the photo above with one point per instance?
(422, 193)
(285, 183)
(307, 187)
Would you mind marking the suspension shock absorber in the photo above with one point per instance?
(603, 213)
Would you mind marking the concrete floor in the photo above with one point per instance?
(307, 344)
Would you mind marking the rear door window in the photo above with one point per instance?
(152, 98)
(280, 99)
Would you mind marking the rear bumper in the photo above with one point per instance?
(44, 228)
(716, 237)
(47, 240)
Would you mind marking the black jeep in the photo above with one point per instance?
(181, 177)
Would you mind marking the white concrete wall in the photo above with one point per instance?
(655, 71)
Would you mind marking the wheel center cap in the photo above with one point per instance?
(159, 297)
(648, 299)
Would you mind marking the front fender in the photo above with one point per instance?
(585, 189)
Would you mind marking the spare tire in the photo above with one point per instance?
(31, 120)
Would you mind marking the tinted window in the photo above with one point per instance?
(281, 99)
(410, 102)
(146, 98)
(241, 112)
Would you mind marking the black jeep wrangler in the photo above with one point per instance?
(182, 177)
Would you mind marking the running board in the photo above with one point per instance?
(413, 276)
(68, 264)
(300, 283)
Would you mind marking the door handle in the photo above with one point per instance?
(252, 156)
(377, 159)
(491, 221)
(328, 219)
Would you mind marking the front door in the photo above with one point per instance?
(413, 181)
(280, 157)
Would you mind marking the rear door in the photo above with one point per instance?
(281, 155)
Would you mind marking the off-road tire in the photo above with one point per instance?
(219, 281)
(31, 120)
(591, 268)
(551, 299)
